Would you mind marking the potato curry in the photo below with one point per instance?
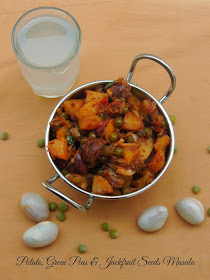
(110, 142)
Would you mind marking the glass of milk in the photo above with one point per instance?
(46, 41)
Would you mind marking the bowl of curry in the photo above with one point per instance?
(110, 139)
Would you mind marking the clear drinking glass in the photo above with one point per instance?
(46, 41)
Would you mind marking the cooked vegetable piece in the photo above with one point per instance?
(77, 164)
(109, 129)
(127, 181)
(89, 122)
(132, 122)
(90, 94)
(157, 119)
(146, 147)
(125, 171)
(58, 148)
(78, 180)
(131, 152)
(157, 162)
(162, 142)
(88, 109)
(115, 108)
(113, 178)
(74, 131)
(147, 107)
(101, 185)
(71, 106)
(134, 102)
(61, 132)
(109, 85)
(91, 150)
(146, 179)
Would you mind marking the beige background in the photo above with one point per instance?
(113, 32)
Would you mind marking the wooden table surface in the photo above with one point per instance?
(113, 33)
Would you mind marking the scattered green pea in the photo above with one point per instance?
(62, 207)
(4, 135)
(106, 226)
(61, 216)
(113, 136)
(125, 110)
(134, 83)
(196, 189)
(209, 149)
(52, 206)
(118, 152)
(113, 233)
(175, 149)
(125, 190)
(92, 135)
(118, 122)
(40, 142)
(208, 211)
(82, 248)
(172, 118)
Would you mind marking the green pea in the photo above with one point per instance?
(113, 233)
(148, 131)
(208, 211)
(175, 149)
(209, 149)
(82, 248)
(100, 172)
(64, 172)
(125, 110)
(40, 142)
(134, 83)
(118, 152)
(130, 139)
(83, 140)
(196, 189)
(113, 136)
(141, 133)
(4, 135)
(118, 122)
(61, 216)
(123, 98)
(106, 226)
(64, 115)
(92, 135)
(62, 207)
(125, 190)
(172, 118)
(52, 206)
(106, 152)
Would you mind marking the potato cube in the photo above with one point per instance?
(132, 122)
(147, 107)
(101, 186)
(89, 108)
(89, 122)
(125, 171)
(95, 95)
(162, 142)
(157, 162)
(71, 106)
(134, 102)
(58, 148)
(61, 132)
(146, 147)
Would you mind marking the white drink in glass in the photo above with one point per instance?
(48, 48)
